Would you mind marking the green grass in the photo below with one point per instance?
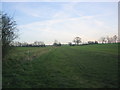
(90, 66)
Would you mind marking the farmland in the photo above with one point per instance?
(88, 66)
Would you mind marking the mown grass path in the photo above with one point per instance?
(92, 66)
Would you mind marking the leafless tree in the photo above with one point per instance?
(77, 40)
(35, 43)
(42, 44)
(39, 43)
(9, 31)
(16, 43)
(115, 38)
(103, 39)
(56, 43)
(24, 44)
(69, 43)
(108, 39)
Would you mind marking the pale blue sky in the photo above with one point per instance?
(47, 21)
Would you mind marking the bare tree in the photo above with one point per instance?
(103, 40)
(9, 32)
(77, 40)
(108, 39)
(24, 44)
(42, 44)
(112, 39)
(39, 43)
(92, 42)
(36, 43)
(69, 43)
(115, 38)
(56, 43)
(15, 43)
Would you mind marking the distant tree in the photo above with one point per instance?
(56, 43)
(108, 39)
(9, 32)
(112, 39)
(24, 44)
(115, 38)
(70, 43)
(77, 40)
(41, 44)
(103, 40)
(59, 44)
(96, 42)
(92, 42)
(16, 44)
(35, 43)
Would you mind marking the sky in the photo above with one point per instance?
(63, 21)
(60, 0)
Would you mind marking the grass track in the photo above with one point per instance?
(92, 66)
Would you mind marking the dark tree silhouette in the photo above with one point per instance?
(77, 40)
(70, 43)
(96, 42)
(9, 32)
(92, 42)
(56, 43)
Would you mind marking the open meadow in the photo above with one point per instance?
(87, 66)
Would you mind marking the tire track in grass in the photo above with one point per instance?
(65, 67)
(99, 66)
(79, 69)
(89, 66)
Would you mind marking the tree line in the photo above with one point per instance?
(25, 44)
(107, 39)
(76, 42)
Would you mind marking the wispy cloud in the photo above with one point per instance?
(64, 30)
(64, 21)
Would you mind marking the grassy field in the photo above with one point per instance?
(90, 66)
